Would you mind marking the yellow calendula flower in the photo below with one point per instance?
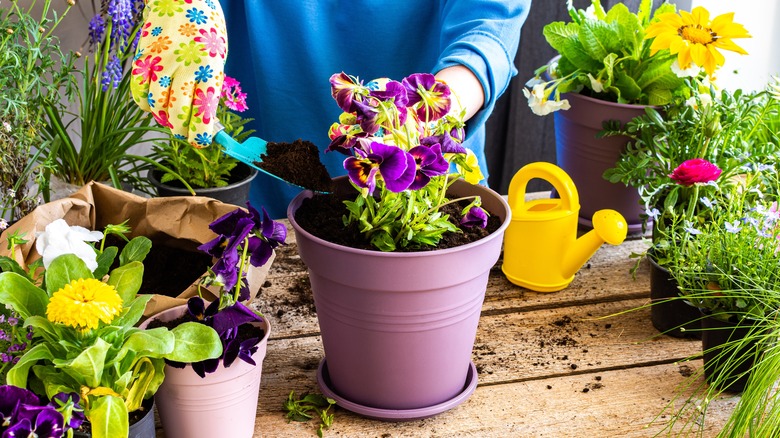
(696, 39)
(83, 303)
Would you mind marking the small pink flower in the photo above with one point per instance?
(694, 171)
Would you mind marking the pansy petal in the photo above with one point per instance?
(404, 180)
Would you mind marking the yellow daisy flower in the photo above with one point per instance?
(83, 303)
(694, 38)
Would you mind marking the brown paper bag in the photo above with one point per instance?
(174, 221)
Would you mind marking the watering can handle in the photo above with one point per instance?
(549, 172)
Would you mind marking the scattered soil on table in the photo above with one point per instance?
(168, 270)
(297, 162)
(321, 216)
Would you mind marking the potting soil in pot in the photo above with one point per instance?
(297, 162)
(321, 216)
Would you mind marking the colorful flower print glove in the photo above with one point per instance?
(178, 68)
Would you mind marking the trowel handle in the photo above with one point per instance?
(549, 172)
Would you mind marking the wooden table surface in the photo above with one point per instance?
(559, 364)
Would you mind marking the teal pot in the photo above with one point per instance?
(728, 353)
(222, 404)
(398, 328)
(670, 314)
(143, 428)
(585, 158)
(235, 193)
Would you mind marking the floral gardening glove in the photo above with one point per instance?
(178, 68)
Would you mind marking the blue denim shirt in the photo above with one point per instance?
(284, 52)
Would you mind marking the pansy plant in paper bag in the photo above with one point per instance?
(244, 238)
(83, 313)
(401, 139)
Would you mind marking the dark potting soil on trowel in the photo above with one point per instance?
(297, 162)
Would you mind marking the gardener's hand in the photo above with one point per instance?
(178, 68)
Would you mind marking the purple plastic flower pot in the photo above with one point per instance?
(222, 404)
(585, 158)
(398, 328)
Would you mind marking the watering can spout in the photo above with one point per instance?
(608, 226)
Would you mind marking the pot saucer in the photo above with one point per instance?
(396, 414)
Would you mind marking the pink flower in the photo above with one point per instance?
(694, 171)
(206, 103)
(233, 97)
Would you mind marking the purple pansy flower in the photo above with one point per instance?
(429, 162)
(344, 137)
(448, 144)
(272, 234)
(344, 89)
(63, 399)
(226, 323)
(434, 95)
(36, 421)
(395, 166)
(475, 217)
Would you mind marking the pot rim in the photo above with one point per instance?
(498, 234)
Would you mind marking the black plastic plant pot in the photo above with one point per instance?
(728, 357)
(670, 316)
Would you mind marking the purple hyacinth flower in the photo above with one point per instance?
(429, 162)
(475, 217)
(434, 95)
(448, 144)
(395, 166)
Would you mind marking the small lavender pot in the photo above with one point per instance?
(398, 328)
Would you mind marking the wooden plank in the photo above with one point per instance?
(286, 296)
(603, 403)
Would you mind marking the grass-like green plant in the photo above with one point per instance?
(33, 74)
(108, 122)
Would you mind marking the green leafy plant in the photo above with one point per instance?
(734, 131)
(208, 166)
(33, 75)
(84, 335)
(606, 53)
(95, 143)
(307, 406)
(401, 139)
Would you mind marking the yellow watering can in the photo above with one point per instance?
(541, 248)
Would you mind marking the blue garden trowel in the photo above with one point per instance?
(249, 152)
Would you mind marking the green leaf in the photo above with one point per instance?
(144, 371)
(24, 297)
(629, 90)
(596, 36)
(127, 280)
(17, 375)
(135, 251)
(44, 328)
(133, 312)
(63, 270)
(108, 417)
(564, 38)
(55, 381)
(104, 260)
(8, 264)
(195, 342)
(88, 365)
(157, 342)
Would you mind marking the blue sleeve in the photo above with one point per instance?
(483, 35)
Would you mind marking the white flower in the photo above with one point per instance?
(733, 228)
(59, 238)
(590, 12)
(538, 102)
(653, 213)
(690, 72)
(595, 84)
(707, 202)
(701, 100)
(3, 224)
(774, 88)
(7, 126)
